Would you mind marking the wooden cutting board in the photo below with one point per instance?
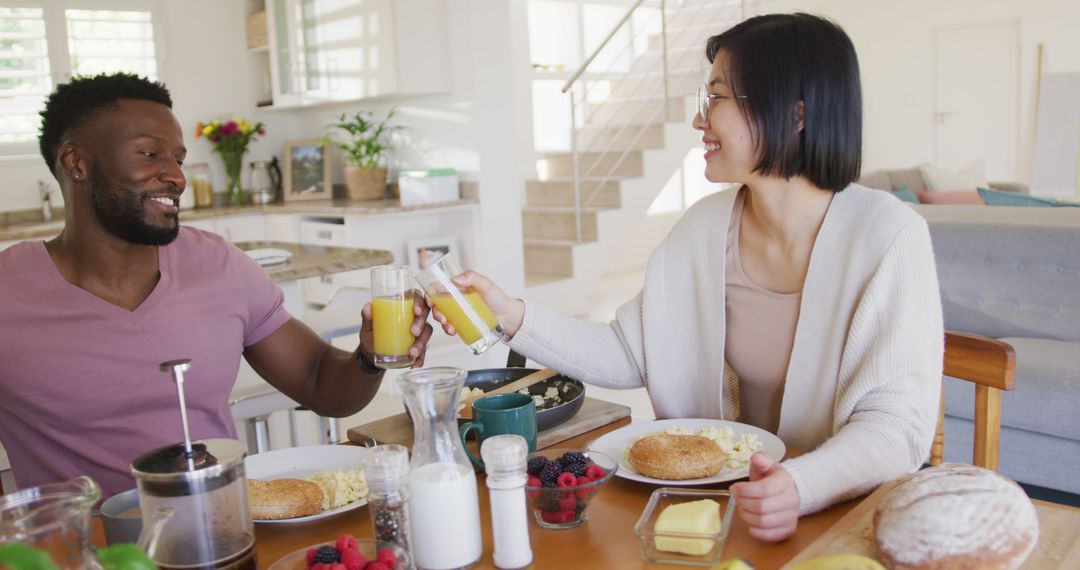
(593, 414)
(1059, 535)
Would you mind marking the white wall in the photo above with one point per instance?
(895, 44)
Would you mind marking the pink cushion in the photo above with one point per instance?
(951, 197)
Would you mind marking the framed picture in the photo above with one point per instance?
(423, 251)
(306, 175)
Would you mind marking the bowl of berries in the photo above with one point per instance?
(562, 482)
(347, 553)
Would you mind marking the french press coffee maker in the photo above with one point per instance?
(201, 489)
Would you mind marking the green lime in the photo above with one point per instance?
(23, 557)
(125, 556)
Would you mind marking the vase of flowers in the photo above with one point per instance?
(365, 142)
(230, 140)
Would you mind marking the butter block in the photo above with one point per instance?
(697, 517)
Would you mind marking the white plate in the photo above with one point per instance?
(301, 463)
(269, 255)
(618, 442)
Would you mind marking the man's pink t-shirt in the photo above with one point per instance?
(81, 392)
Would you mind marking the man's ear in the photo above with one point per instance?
(73, 162)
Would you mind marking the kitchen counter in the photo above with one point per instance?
(317, 260)
(38, 229)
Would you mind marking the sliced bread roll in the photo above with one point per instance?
(283, 498)
(956, 516)
(676, 457)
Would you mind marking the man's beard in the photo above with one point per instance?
(123, 213)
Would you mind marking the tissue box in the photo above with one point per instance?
(427, 186)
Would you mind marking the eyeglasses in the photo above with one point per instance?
(703, 98)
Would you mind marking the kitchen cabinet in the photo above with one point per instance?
(324, 51)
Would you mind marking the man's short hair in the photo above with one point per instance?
(778, 60)
(75, 103)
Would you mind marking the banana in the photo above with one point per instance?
(839, 562)
(734, 564)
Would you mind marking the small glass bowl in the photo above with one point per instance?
(297, 559)
(711, 544)
(565, 507)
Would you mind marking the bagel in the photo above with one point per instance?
(283, 498)
(676, 457)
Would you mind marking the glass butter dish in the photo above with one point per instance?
(668, 546)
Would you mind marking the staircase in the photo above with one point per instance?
(627, 145)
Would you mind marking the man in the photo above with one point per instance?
(88, 316)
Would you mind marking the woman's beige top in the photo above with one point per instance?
(760, 334)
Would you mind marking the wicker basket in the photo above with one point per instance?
(365, 184)
(256, 30)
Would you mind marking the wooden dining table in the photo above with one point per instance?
(606, 540)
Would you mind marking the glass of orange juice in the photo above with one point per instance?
(392, 315)
(464, 308)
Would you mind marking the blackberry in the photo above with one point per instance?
(549, 474)
(549, 500)
(537, 464)
(574, 462)
(327, 555)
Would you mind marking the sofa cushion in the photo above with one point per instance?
(998, 198)
(940, 179)
(1028, 457)
(876, 179)
(906, 195)
(909, 178)
(1047, 394)
(1001, 279)
(970, 197)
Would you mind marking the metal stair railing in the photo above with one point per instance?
(576, 87)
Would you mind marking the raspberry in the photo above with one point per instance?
(549, 500)
(320, 566)
(353, 560)
(337, 566)
(566, 480)
(550, 474)
(310, 556)
(537, 464)
(574, 462)
(585, 492)
(552, 517)
(375, 566)
(595, 472)
(566, 516)
(346, 542)
(386, 556)
(327, 555)
(568, 503)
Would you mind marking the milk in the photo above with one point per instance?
(445, 516)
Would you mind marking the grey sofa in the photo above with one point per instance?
(1014, 274)
(912, 179)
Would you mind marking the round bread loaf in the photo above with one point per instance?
(955, 516)
(676, 457)
(283, 498)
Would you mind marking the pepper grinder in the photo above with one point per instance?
(504, 460)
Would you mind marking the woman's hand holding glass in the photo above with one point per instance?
(510, 312)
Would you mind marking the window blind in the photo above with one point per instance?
(24, 72)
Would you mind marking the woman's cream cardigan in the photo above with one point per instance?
(862, 388)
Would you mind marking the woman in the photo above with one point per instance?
(800, 302)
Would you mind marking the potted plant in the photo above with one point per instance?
(364, 147)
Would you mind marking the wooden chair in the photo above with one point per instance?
(991, 365)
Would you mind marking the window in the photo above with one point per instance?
(45, 43)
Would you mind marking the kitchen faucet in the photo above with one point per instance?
(45, 190)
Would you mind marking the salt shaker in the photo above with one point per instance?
(386, 470)
(504, 460)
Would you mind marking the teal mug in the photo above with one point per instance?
(500, 414)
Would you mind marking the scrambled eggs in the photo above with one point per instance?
(738, 449)
(340, 487)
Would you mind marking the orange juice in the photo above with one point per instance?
(392, 319)
(460, 318)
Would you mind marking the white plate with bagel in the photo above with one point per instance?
(279, 491)
(655, 455)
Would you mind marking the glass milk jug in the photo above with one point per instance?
(54, 518)
(444, 511)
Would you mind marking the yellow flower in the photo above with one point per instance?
(208, 130)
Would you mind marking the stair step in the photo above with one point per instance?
(561, 193)
(634, 111)
(552, 257)
(711, 14)
(545, 223)
(678, 59)
(619, 138)
(650, 84)
(593, 164)
(534, 278)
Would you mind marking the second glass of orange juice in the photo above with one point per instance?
(392, 315)
(465, 309)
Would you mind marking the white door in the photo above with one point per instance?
(978, 103)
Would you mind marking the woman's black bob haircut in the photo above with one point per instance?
(779, 60)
